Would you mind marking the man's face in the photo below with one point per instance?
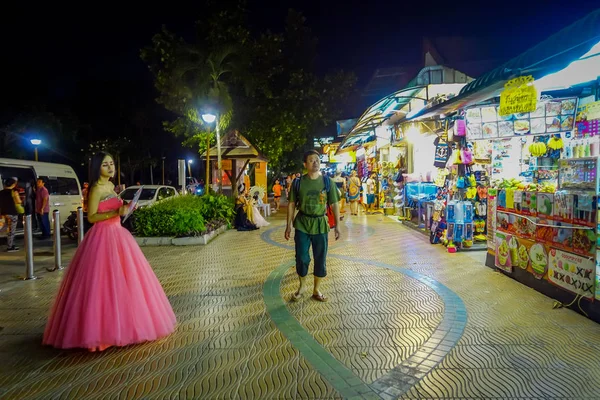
(40, 183)
(313, 162)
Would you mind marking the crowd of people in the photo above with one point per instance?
(14, 202)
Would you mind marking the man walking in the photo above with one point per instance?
(311, 194)
(42, 208)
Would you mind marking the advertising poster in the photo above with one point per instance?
(572, 272)
(506, 251)
(538, 260)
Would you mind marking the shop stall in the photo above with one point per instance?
(540, 127)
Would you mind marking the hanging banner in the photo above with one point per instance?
(572, 272)
(519, 96)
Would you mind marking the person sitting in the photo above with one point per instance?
(257, 219)
(243, 211)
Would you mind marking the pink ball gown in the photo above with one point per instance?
(109, 295)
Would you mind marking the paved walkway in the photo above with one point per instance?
(405, 320)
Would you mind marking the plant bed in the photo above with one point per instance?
(183, 220)
(182, 241)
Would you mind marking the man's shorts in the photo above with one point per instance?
(276, 198)
(370, 199)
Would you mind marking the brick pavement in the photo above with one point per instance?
(405, 319)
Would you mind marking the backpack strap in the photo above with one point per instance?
(296, 187)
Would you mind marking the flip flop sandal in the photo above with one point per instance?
(296, 297)
(320, 297)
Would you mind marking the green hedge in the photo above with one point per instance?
(184, 216)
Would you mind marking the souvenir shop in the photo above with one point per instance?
(536, 137)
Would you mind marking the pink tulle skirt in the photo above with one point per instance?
(110, 296)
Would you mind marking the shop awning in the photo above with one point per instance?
(378, 113)
(551, 55)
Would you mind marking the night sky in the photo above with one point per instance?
(56, 47)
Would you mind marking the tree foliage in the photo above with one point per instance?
(264, 82)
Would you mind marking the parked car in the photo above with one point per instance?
(150, 194)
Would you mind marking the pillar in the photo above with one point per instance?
(260, 177)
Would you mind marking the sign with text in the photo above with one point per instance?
(593, 110)
(519, 96)
(572, 272)
(226, 165)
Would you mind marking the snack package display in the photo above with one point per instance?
(545, 202)
(563, 206)
(585, 210)
(529, 204)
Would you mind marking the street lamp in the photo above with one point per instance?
(209, 119)
(190, 167)
(163, 170)
(35, 143)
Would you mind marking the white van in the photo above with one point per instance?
(61, 182)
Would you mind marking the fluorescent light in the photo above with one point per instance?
(586, 69)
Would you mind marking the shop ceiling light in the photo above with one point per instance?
(586, 69)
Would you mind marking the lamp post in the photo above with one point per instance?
(163, 170)
(190, 167)
(210, 118)
(35, 143)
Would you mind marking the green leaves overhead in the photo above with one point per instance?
(263, 84)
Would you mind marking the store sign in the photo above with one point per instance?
(592, 110)
(519, 96)
(572, 272)
(322, 141)
(347, 157)
(548, 117)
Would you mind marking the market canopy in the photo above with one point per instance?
(378, 113)
(235, 146)
(549, 56)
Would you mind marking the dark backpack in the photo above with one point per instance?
(296, 188)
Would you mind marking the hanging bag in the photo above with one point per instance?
(460, 128)
(466, 155)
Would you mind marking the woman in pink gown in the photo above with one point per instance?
(110, 295)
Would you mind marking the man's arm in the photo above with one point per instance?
(335, 207)
(291, 210)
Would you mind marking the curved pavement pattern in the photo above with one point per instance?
(397, 380)
(393, 323)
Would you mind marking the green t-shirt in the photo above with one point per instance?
(312, 207)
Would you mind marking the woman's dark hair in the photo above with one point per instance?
(241, 188)
(95, 165)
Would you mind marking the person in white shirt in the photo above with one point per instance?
(371, 192)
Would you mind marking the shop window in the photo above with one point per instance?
(23, 174)
(61, 185)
